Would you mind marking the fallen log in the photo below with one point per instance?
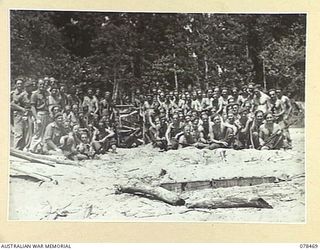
(40, 177)
(218, 183)
(32, 159)
(158, 193)
(16, 159)
(44, 157)
(230, 203)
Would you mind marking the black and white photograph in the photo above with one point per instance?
(155, 116)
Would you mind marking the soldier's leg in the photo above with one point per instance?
(18, 132)
(255, 139)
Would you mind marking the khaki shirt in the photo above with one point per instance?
(40, 100)
(53, 132)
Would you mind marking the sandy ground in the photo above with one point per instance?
(87, 191)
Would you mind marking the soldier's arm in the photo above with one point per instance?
(247, 126)
(261, 135)
(220, 107)
(283, 109)
(151, 122)
(201, 137)
(179, 134)
(96, 105)
(33, 106)
(269, 105)
(290, 106)
(15, 106)
(111, 133)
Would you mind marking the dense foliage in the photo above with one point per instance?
(126, 51)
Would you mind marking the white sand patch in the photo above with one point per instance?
(87, 191)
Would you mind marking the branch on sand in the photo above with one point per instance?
(148, 191)
(43, 159)
(173, 199)
(15, 172)
(23, 155)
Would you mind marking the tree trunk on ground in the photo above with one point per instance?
(43, 158)
(32, 159)
(230, 203)
(16, 172)
(153, 192)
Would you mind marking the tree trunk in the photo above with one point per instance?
(115, 84)
(45, 158)
(264, 77)
(230, 203)
(137, 64)
(206, 73)
(254, 49)
(175, 73)
(158, 193)
(30, 158)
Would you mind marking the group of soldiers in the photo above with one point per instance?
(51, 118)
(220, 118)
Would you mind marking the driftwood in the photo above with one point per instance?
(43, 157)
(32, 159)
(218, 183)
(158, 193)
(230, 203)
(19, 172)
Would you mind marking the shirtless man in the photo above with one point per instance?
(188, 137)
(14, 95)
(182, 101)
(207, 100)
(287, 113)
(91, 102)
(195, 103)
(235, 95)
(254, 129)
(167, 105)
(275, 106)
(158, 129)
(222, 135)
(270, 134)
(243, 97)
(54, 99)
(205, 127)
(250, 90)
(105, 104)
(174, 131)
(260, 101)
(84, 148)
(223, 99)
(245, 123)
(216, 105)
(103, 139)
(287, 103)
